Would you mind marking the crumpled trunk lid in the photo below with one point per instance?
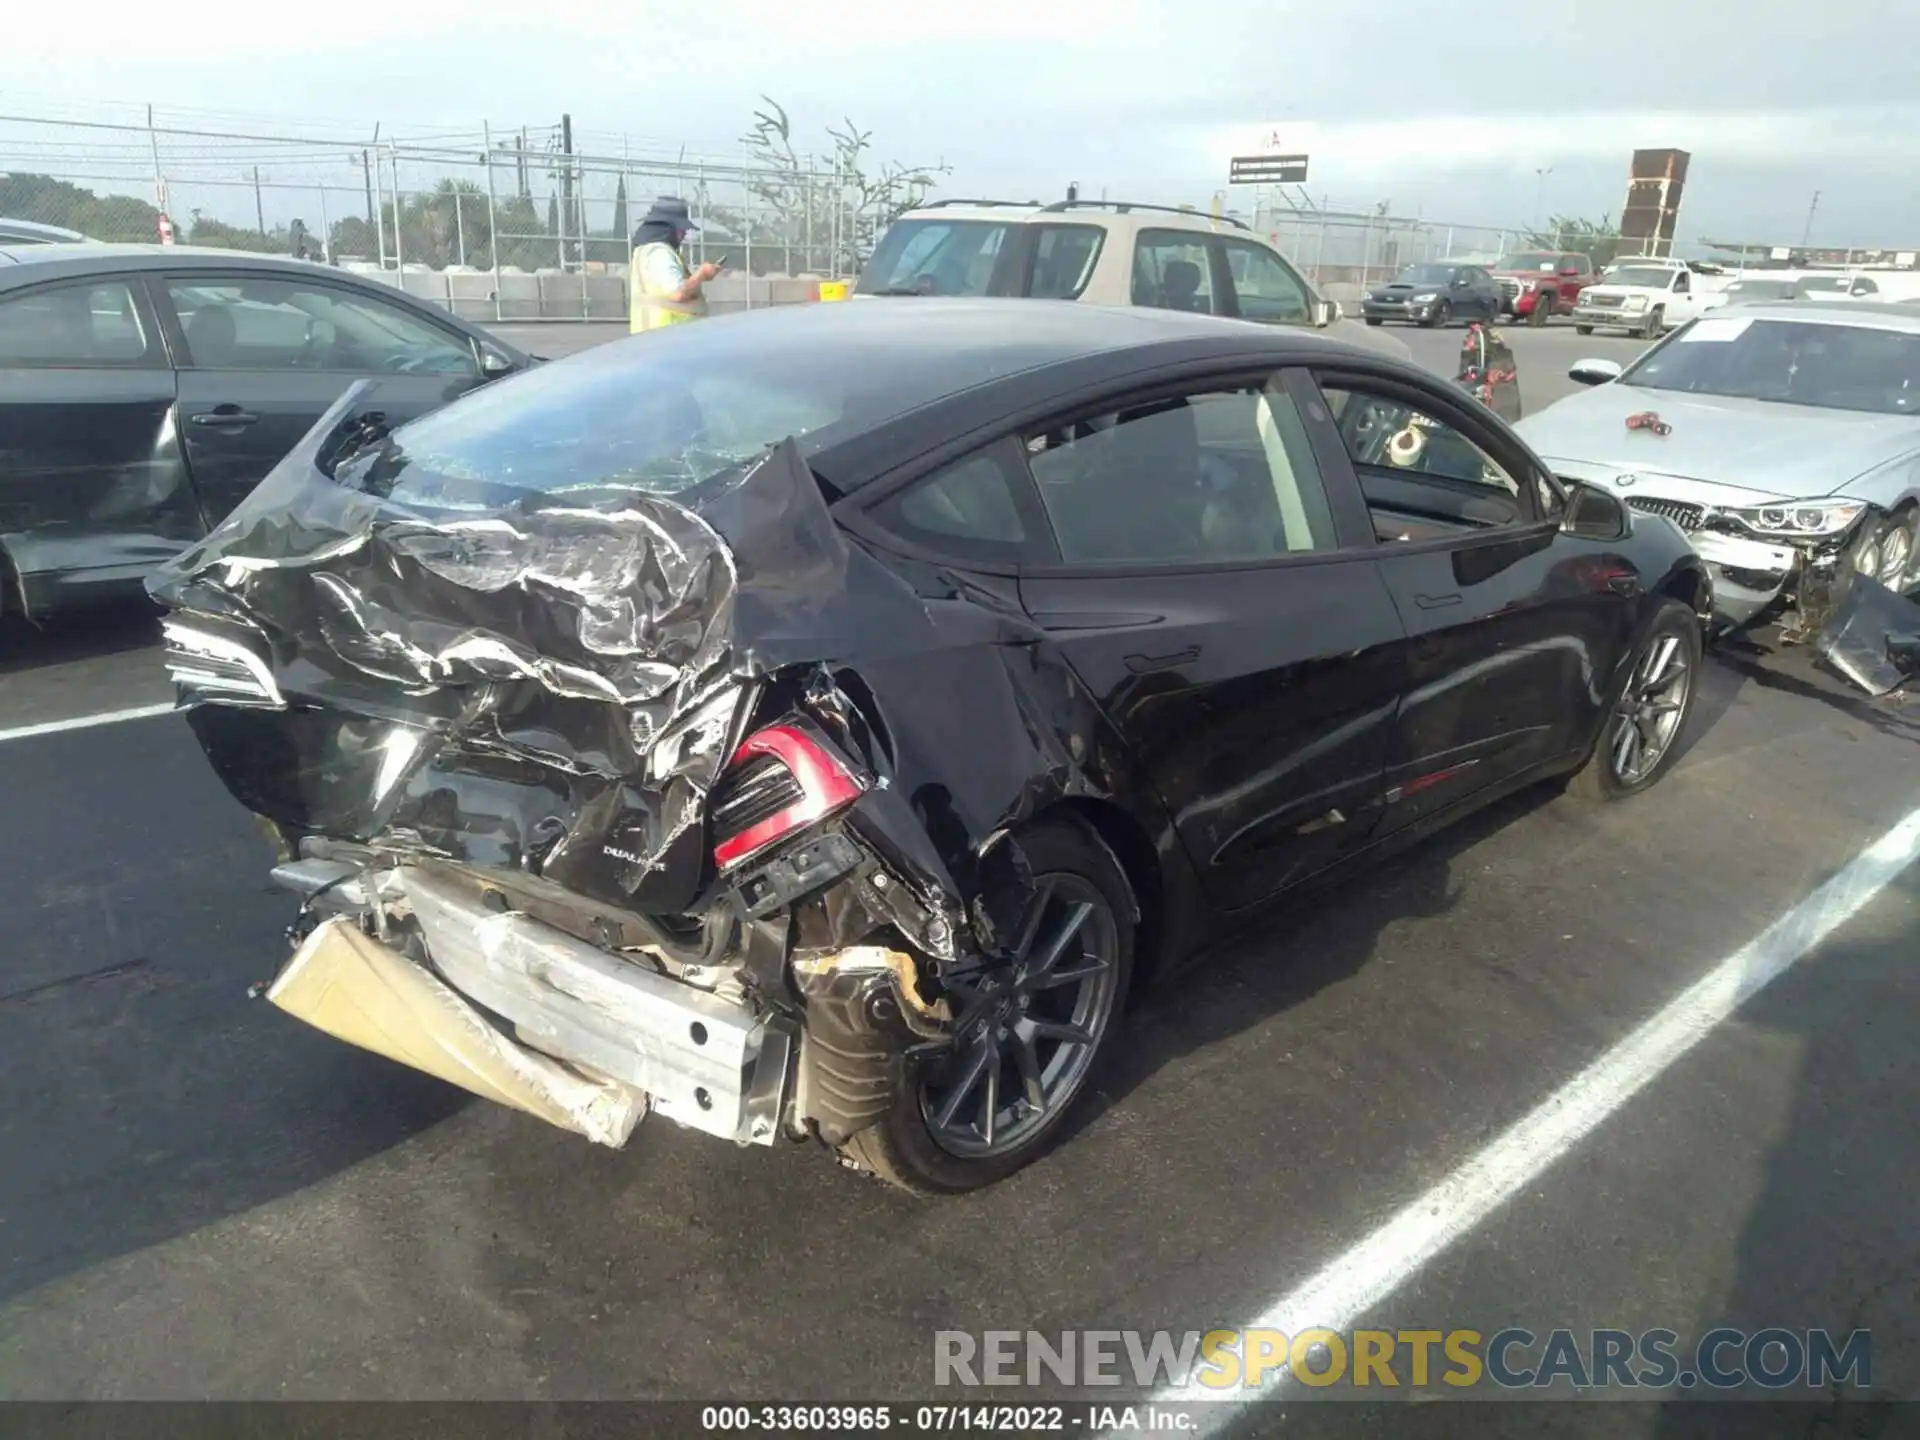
(517, 681)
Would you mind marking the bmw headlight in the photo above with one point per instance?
(1635, 302)
(1425, 299)
(1827, 517)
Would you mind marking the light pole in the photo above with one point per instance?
(1540, 194)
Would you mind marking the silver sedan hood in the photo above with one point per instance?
(1790, 451)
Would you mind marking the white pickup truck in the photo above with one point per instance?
(1649, 296)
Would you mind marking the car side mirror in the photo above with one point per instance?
(1325, 312)
(1594, 372)
(1594, 514)
(494, 363)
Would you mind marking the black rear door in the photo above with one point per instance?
(92, 490)
(1209, 593)
(262, 356)
(1514, 629)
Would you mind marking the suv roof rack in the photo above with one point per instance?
(1017, 204)
(1121, 207)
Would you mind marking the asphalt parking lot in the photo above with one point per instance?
(199, 1198)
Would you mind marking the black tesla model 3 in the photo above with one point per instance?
(815, 724)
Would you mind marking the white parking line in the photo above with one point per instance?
(1343, 1292)
(83, 722)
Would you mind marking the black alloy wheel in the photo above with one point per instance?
(1640, 738)
(1030, 1027)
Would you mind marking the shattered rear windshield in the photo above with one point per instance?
(562, 428)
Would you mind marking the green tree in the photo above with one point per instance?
(47, 201)
(1595, 238)
(798, 205)
(205, 230)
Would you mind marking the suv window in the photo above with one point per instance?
(1266, 288)
(88, 323)
(1387, 437)
(967, 509)
(1063, 260)
(933, 257)
(1213, 475)
(272, 324)
(1171, 272)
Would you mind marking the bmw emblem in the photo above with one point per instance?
(1622, 481)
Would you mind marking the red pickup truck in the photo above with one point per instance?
(1528, 277)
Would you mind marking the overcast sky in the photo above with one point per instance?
(1448, 112)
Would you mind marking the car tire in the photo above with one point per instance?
(1667, 657)
(1656, 323)
(1894, 545)
(909, 1147)
(1542, 310)
(1583, 329)
(1373, 319)
(1442, 313)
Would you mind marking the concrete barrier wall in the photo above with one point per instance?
(551, 294)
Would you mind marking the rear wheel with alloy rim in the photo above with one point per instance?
(1030, 1027)
(1656, 321)
(1641, 737)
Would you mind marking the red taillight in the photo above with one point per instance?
(814, 786)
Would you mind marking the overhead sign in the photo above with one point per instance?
(1267, 170)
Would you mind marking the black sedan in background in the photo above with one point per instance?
(145, 390)
(813, 724)
(1433, 294)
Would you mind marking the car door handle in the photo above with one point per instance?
(1148, 664)
(223, 416)
(1435, 602)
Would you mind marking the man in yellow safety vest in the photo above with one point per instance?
(664, 291)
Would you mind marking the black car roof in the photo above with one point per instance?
(36, 263)
(927, 369)
(943, 344)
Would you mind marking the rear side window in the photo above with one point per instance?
(82, 325)
(1215, 475)
(967, 510)
(1170, 272)
(934, 257)
(1063, 260)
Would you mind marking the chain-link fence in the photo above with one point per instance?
(505, 224)
(492, 224)
(1345, 251)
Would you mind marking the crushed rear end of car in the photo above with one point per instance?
(603, 802)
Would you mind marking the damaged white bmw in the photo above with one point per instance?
(1784, 439)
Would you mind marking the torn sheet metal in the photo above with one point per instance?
(552, 682)
(343, 981)
(1873, 636)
